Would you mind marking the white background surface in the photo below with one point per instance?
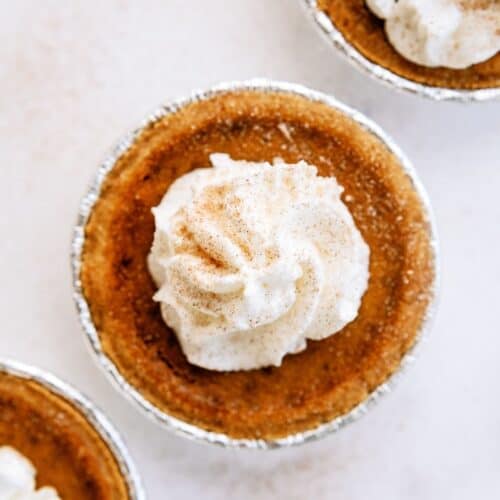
(74, 76)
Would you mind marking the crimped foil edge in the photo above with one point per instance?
(387, 77)
(170, 422)
(89, 410)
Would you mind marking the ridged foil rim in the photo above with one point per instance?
(170, 422)
(93, 415)
(387, 77)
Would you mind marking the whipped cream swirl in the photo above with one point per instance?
(17, 478)
(252, 259)
(449, 33)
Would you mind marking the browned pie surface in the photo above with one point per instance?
(330, 376)
(366, 33)
(65, 449)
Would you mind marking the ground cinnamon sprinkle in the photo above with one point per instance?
(478, 4)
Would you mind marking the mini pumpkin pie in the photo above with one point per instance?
(212, 390)
(51, 435)
(445, 44)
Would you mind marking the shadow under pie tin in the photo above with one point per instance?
(387, 77)
(97, 420)
(165, 419)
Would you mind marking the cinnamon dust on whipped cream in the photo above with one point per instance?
(253, 259)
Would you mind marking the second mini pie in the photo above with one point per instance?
(54, 441)
(326, 381)
(365, 33)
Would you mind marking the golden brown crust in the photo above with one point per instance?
(331, 376)
(366, 33)
(66, 450)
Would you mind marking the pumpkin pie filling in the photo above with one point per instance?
(330, 376)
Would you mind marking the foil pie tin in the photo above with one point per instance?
(387, 77)
(92, 414)
(170, 422)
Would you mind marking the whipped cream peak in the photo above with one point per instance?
(449, 33)
(251, 259)
(17, 478)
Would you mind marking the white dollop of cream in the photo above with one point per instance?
(17, 478)
(252, 259)
(449, 33)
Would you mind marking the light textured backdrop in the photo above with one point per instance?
(76, 75)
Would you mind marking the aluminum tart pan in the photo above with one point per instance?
(166, 420)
